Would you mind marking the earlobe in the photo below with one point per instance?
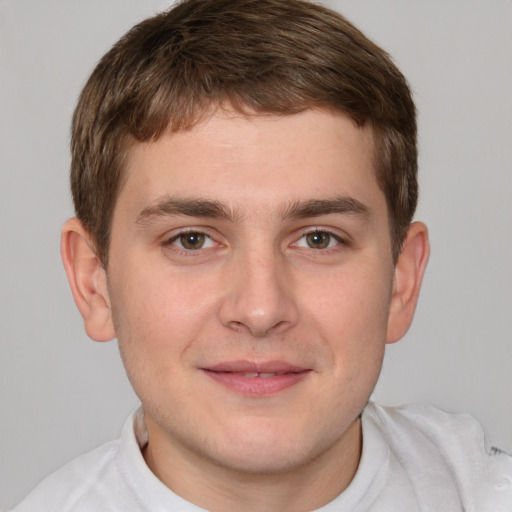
(88, 280)
(408, 275)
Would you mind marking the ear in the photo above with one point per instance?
(409, 270)
(87, 279)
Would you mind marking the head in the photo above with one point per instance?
(244, 174)
(259, 56)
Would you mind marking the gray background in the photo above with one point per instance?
(61, 394)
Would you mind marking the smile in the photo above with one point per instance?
(253, 375)
(256, 380)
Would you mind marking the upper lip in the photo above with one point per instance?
(244, 366)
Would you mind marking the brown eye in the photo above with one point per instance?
(192, 241)
(318, 240)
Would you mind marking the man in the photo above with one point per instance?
(244, 178)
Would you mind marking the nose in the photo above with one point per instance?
(259, 296)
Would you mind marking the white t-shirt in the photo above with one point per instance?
(415, 458)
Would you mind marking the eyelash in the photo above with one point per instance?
(170, 242)
(323, 231)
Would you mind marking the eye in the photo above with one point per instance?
(318, 240)
(192, 241)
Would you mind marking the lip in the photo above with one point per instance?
(251, 378)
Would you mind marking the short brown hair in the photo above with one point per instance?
(267, 56)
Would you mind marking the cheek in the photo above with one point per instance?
(158, 313)
(155, 324)
(354, 301)
(351, 316)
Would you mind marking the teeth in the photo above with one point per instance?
(252, 375)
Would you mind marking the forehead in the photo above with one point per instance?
(256, 161)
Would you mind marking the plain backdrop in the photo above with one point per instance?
(62, 394)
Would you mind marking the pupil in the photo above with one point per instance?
(192, 240)
(318, 240)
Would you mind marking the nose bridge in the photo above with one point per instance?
(259, 294)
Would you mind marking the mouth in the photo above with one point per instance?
(256, 379)
(254, 375)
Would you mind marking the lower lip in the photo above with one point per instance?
(257, 386)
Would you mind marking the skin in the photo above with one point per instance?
(262, 278)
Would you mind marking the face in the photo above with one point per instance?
(250, 276)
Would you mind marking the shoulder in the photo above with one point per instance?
(450, 444)
(66, 487)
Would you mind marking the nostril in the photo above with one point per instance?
(238, 326)
(259, 331)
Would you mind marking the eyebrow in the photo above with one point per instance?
(169, 206)
(317, 207)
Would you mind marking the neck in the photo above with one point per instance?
(217, 488)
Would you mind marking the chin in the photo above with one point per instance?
(267, 449)
(261, 460)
